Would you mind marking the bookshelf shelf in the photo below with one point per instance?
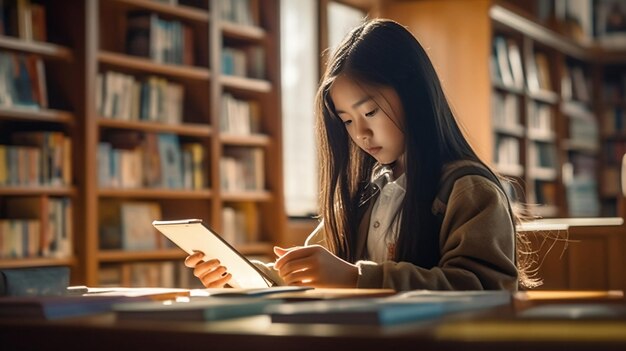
(510, 170)
(41, 115)
(542, 173)
(107, 256)
(615, 136)
(577, 110)
(36, 262)
(546, 96)
(188, 129)
(180, 11)
(37, 190)
(512, 130)
(542, 135)
(148, 66)
(46, 50)
(247, 196)
(580, 146)
(188, 194)
(242, 32)
(546, 211)
(245, 140)
(246, 84)
(508, 89)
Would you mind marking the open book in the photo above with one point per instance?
(192, 235)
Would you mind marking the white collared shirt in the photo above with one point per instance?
(384, 224)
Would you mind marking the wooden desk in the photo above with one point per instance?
(579, 253)
(498, 329)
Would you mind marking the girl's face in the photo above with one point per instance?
(373, 118)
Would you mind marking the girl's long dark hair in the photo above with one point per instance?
(384, 53)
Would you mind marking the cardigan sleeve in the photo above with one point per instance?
(477, 246)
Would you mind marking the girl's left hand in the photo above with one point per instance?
(314, 266)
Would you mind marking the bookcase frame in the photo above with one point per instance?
(87, 57)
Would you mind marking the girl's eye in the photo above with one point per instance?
(372, 112)
(347, 123)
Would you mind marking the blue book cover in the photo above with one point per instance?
(355, 311)
(171, 161)
(34, 281)
(56, 307)
(194, 308)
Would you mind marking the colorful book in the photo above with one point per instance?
(194, 308)
(367, 311)
(55, 307)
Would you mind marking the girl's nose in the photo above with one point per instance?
(363, 130)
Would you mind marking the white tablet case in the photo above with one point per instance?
(192, 235)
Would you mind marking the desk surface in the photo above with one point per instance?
(496, 329)
(562, 224)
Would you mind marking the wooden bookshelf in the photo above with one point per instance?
(568, 145)
(95, 86)
(38, 172)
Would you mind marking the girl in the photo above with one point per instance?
(399, 208)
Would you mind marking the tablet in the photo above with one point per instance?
(192, 235)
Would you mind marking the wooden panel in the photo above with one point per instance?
(552, 259)
(460, 32)
(588, 263)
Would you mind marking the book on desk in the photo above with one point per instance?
(404, 307)
(193, 308)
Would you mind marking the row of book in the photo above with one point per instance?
(613, 121)
(242, 168)
(36, 158)
(22, 81)
(582, 197)
(166, 274)
(506, 63)
(127, 225)
(507, 151)
(542, 155)
(244, 62)
(240, 224)
(23, 19)
(238, 11)
(544, 193)
(540, 120)
(158, 161)
(584, 131)
(124, 97)
(575, 83)
(25, 236)
(239, 116)
(580, 179)
(162, 41)
(505, 110)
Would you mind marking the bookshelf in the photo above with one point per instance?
(541, 93)
(39, 127)
(143, 110)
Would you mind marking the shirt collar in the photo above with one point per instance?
(383, 174)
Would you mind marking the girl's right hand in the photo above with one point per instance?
(210, 273)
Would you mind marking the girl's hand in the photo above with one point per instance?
(210, 273)
(314, 266)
